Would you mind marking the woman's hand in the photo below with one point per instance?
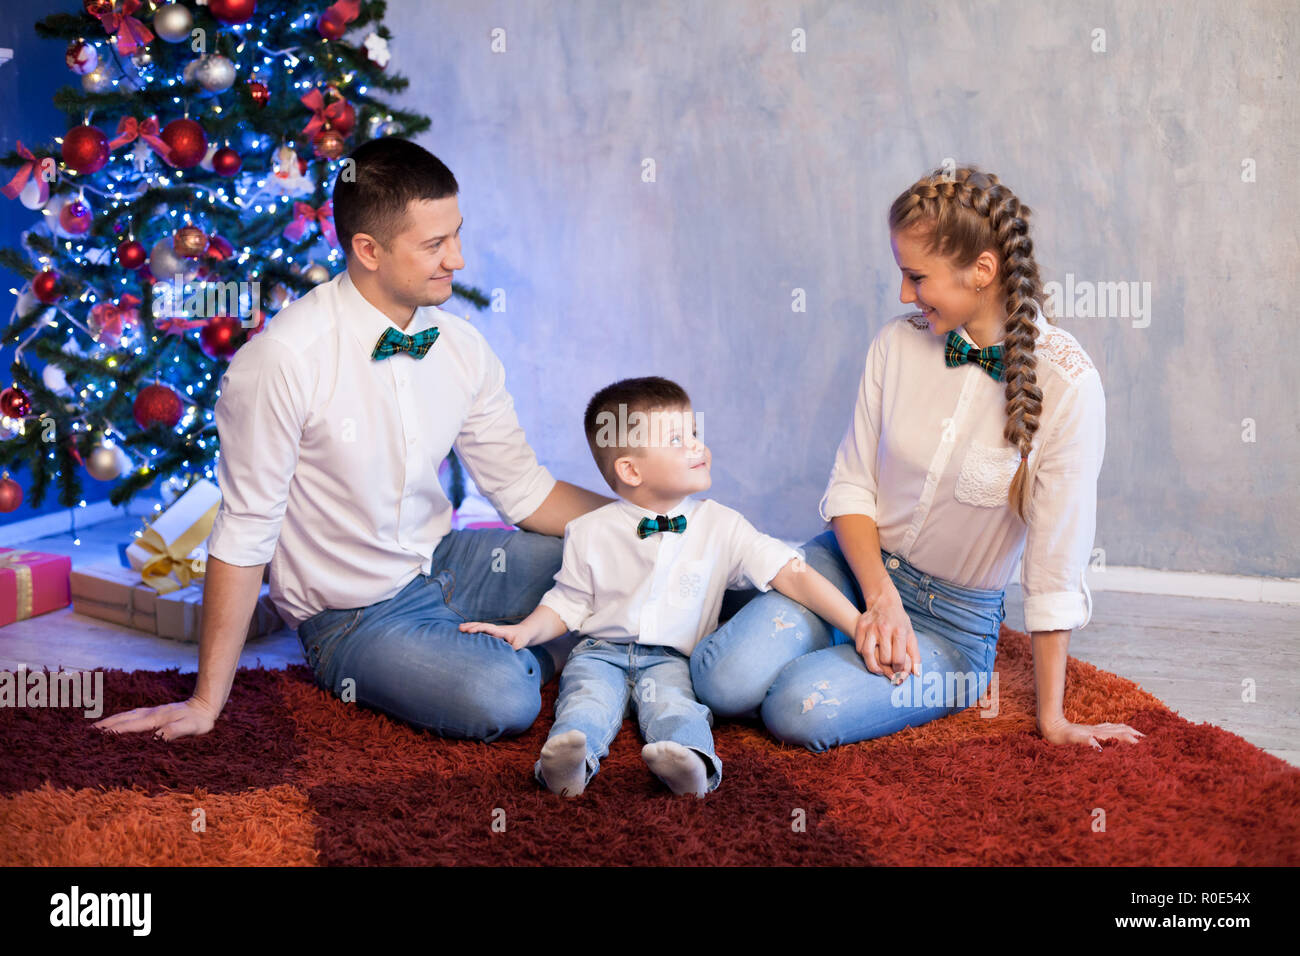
(1061, 731)
(885, 639)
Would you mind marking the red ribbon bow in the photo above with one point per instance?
(129, 128)
(322, 113)
(131, 33)
(25, 172)
(111, 317)
(303, 214)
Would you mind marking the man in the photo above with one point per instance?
(333, 422)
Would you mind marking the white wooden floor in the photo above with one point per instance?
(1192, 653)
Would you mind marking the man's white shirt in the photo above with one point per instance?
(663, 589)
(925, 457)
(329, 458)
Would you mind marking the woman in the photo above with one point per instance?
(977, 434)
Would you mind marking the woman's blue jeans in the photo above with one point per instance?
(778, 660)
(405, 656)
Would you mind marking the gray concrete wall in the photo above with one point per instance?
(774, 171)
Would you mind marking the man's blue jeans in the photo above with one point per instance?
(778, 660)
(407, 657)
(603, 680)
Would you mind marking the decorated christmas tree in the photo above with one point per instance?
(188, 201)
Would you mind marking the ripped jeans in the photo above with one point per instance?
(778, 660)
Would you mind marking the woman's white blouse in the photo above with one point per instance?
(925, 458)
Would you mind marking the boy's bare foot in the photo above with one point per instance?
(564, 763)
(682, 769)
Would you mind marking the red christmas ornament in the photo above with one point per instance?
(344, 117)
(220, 337)
(219, 250)
(231, 12)
(45, 286)
(331, 25)
(75, 218)
(11, 494)
(190, 241)
(157, 405)
(14, 402)
(258, 91)
(329, 143)
(98, 8)
(85, 149)
(81, 57)
(188, 142)
(226, 161)
(132, 255)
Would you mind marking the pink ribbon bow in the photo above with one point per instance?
(129, 128)
(321, 113)
(131, 33)
(303, 214)
(111, 317)
(177, 325)
(25, 172)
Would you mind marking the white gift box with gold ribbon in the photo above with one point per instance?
(171, 554)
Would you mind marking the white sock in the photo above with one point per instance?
(564, 763)
(682, 769)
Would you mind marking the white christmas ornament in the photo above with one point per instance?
(377, 50)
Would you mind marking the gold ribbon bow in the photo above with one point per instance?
(22, 580)
(156, 572)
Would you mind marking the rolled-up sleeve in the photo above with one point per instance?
(259, 417)
(852, 486)
(492, 445)
(1063, 512)
(756, 558)
(572, 596)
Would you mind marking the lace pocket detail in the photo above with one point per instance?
(986, 475)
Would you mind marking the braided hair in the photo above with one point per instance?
(959, 214)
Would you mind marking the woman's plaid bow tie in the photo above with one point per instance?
(957, 350)
(648, 526)
(393, 341)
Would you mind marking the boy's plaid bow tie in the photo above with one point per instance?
(957, 350)
(648, 526)
(393, 341)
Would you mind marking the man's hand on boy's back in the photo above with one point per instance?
(537, 628)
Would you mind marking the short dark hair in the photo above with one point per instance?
(647, 394)
(388, 174)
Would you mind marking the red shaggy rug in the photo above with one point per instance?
(291, 776)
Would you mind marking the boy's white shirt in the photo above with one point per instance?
(663, 589)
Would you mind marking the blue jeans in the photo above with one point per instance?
(603, 680)
(407, 658)
(778, 660)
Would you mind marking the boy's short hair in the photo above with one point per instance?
(609, 413)
(388, 173)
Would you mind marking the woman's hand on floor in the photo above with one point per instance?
(1064, 732)
(187, 718)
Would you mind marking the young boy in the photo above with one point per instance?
(642, 581)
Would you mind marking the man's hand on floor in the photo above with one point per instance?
(187, 718)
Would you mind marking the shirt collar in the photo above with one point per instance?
(1039, 319)
(636, 512)
(366, 322)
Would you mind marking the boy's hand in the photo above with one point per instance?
(516, 635)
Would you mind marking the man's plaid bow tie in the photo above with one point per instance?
(648, 526)
(957, 350)
(393, 341)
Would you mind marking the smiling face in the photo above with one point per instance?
(414, 267)
(946, 295)
(672, 463)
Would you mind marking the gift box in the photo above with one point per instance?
(171, 554)
(31, 583)
(111, 592)
(180, 615)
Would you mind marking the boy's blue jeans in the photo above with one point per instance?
(603, 680)
(407, 657)
(778, 660)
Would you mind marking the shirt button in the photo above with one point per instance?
(893, 563)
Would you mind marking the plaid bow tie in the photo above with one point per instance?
(648, 526)
(957, 350)
(393, 341)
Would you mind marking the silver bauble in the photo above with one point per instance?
(165, 264)
(142, 58)
(97, 81)
(215, 73)
(103, 462)
(173, 22)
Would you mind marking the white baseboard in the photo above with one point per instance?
(59, 522)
